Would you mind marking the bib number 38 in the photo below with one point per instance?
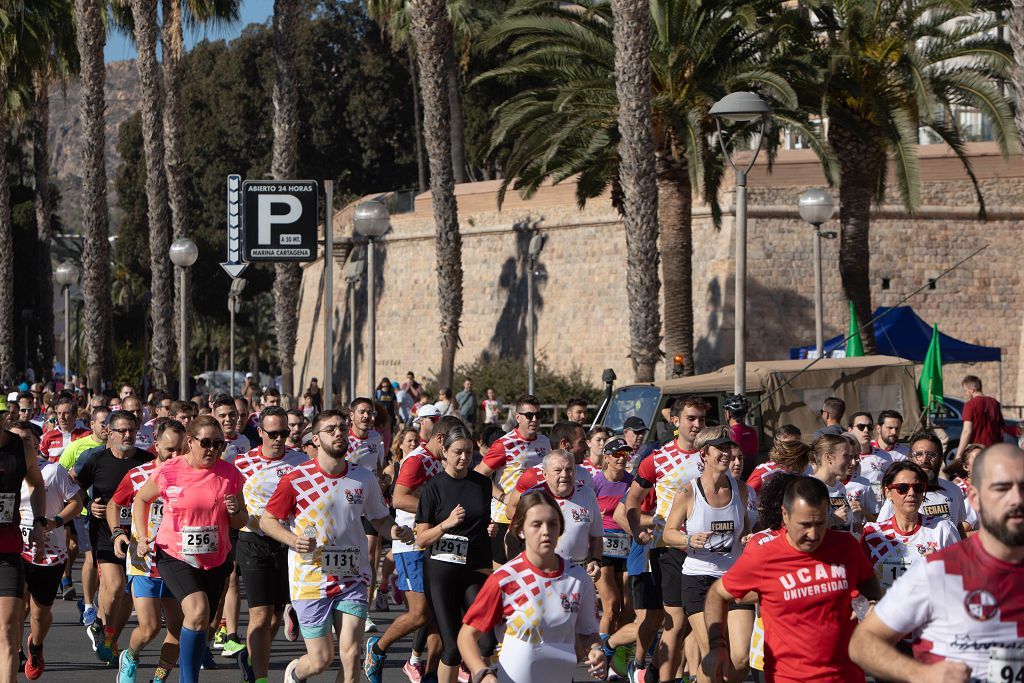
(199, 540)
(1005, 665)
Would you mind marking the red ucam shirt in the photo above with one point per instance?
(53, 442)
(805, 604)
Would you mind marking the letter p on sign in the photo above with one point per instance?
(267, 216)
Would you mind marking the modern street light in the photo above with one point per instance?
(371, 221)
(67, 275)
(353, 273)
(816, 207)
(536, 246)
(237, 286)
(741, 106)
(184, 254)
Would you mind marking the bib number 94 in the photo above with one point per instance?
(1005, 665)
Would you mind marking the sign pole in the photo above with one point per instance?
(329, 295)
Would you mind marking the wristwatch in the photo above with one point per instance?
(479, 675)
(58, 520)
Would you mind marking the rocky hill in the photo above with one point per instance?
(122, 97)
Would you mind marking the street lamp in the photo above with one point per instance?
(237, 286)
(184, 253)
(816, 207)
(741, 106)
(67, 275)
(371, 221)
(536, 246)
(353, 273)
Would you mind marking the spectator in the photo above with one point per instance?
(412, 387)
(492, 407)
(832, 411)
(445, 404)
(404, 404)
(983, 417)
(576, 409)
(314, 391)
(467, 403)
(385, 396)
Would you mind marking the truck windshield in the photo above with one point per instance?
(640, 401)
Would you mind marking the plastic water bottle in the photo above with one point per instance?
(308, 532)
(861, 605)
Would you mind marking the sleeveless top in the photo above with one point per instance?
(725, 525)
(12, 474)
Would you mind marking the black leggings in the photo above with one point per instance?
(419, 639)
(451, 589)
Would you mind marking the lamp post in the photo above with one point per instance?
(371, 221)
(67, 275)
(536, 246)
(237, 286)
(741, 106)
(816, 207)
(184, 253)
(353, 273)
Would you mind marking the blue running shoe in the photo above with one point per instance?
(245, 666)
(373, 663)
(126, 667)
(209, 664)
(88, 615)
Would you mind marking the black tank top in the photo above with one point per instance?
(12, 475)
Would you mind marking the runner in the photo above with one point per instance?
(366, 449)
(610, 485)
(959, 471)
(803, 579)
(963, 604)
(887, 436)
(787, 455)
(324, 499)
(56, 440)
(262, 560)
(668, 469)
(144, 437)
(832, 455)
(202, 498)
(451, 526)
(566, 436)
(547, 606)
(18, 466)
(596, 440)
(102, 474)
(713, 510)
(150, 596)
(860, 494)
(43, 576)
(417, 469)
(511, 455)
(736, 408)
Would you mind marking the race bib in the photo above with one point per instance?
(340, 561)
(8, 505)
(199, 540)
(1005, 665)
(124, 515)
(616, 544)
(876, 488)
(450, 548)
(891, 569)
(156, 513)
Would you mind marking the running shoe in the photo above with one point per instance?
(232, 646)
(373, 663)
(291, 623)
(380, 602)
(414, 672)
(127, 667)
(369, 627)
(106, 647)
(289, 673)
(397, 596)
(160, 675)
(67, 590)
(34, 665)
(88, 615)
(220, 637)
(245, 666)
(209, 663)
(464, 675)
(635, 675)
(95, 633)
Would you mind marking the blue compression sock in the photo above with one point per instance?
(193, 647)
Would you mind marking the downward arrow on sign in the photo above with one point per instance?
(233, 267)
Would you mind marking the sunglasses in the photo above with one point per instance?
(277, 434)
(864, 426)
(924, 454)
(24, 410)
(124, 430)
(904, 489)
(530, 416)
(215, 444)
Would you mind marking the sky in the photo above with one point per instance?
(120, 47)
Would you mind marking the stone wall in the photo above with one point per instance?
(582, 312)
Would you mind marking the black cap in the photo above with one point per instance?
(635, 424)
(721, 441)
(615, 444)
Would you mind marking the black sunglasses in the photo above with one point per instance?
(215, 444)
(277, 434)
(903, 489)
(530, 416)
(864, 426)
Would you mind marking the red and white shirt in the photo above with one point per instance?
(667, 469)
(416, 469)
(367, 453)
(543, 612)
(583, 521)
(509, 457)
(124, 496)
(959, 603)
(236, 445)
(762, 472)
(59, 490)
(262, 475)
(893, 551)
(873, 466)
(898, 452)
(53, 442)
(534, 477)
(963, 484)
(333, 505)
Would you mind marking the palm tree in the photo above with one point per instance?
(1015, 26)
(432, 33)
(44, 227)
(90, 38)
(565, 124)
(284, 165)
(890, 68)
(7, 328)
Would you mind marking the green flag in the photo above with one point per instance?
(930, 386)
(854, 345)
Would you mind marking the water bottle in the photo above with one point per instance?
(308, 532)
(861, 605)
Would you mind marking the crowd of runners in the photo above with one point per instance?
(509, 555)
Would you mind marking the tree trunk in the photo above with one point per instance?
(457, 118)
(433, 35)
(421, 164)
(1015, 26)
(90, 38)
(44, 227)
(161, 305)
(675, 213)
(172, 43)
(861, 165)
(288, 277)
(631, 35)
(7, 322)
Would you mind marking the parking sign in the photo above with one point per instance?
(280, 220)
